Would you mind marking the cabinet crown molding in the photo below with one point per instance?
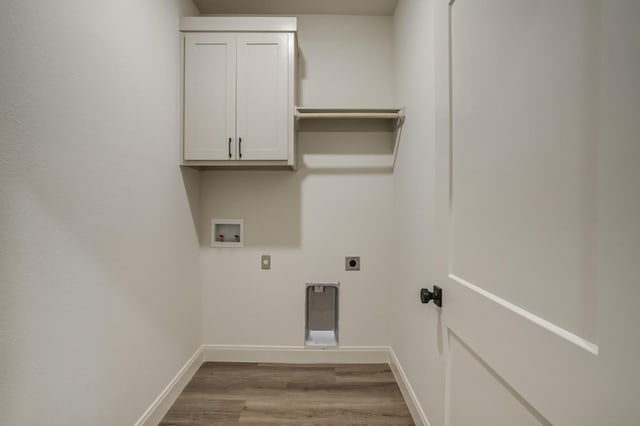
(238, 24)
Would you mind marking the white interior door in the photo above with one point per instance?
(538, 210)
(210, 96)
(263, 94)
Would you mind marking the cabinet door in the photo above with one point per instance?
(209, 96)
(263, 96)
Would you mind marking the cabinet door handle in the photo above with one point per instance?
(240, 147)
(229, 147)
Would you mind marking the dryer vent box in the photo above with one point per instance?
(321, 327)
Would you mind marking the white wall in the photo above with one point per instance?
(417, 330)
(345, 61)
(99, 295)
(309, 220)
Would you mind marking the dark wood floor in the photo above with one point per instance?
(286, 394)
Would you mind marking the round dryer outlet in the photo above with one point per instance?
(352, 263)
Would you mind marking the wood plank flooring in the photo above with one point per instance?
(290, 394)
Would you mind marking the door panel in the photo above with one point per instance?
(263, 114)
(209, 96)
(524, 99)
(531, 135)
(479, 396)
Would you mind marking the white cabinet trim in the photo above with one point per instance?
(238, 24)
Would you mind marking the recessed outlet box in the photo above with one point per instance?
(265, 261)
(227, 233)
(352, 263)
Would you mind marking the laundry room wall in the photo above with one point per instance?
(333, 206)
(99, 289)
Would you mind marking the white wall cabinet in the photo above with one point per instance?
(238, 98)
(210, 96)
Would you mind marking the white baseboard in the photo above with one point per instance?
(168, 396)
(288, 355)
(296, 354)
(419, 417)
